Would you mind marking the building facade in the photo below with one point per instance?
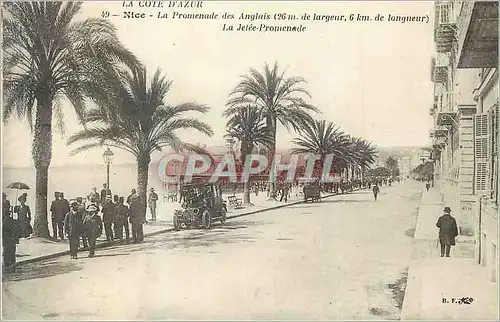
(464, 71)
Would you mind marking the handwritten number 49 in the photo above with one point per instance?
(105, 14)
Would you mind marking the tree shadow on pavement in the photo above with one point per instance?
(110, 255)
(348, 201)
(40, 270)
(229, 233)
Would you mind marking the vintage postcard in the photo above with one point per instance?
(250, 160)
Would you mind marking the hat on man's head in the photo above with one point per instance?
(74, 205)
(92, 208)
(447, 210)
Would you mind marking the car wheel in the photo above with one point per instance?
(223, 216)
(206, 219)
(177, 225)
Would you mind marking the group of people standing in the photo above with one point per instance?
(83, 222)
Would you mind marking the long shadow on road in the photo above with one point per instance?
(229, 233)
(40, 270)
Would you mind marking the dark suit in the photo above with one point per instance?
(448, 230)
(92, 225)
(72, 225)
(108, 217)
(59, 208)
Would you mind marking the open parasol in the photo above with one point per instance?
(18, 186)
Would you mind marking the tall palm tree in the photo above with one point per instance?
(136, 118)
(248, 126)
(49, 57)
(362, 155)
(392, 164)
(322, 138)
(281, 99)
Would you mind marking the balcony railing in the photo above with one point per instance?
(445, 25)
(439, 68)
(446, 102)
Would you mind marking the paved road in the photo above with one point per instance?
(344, 258)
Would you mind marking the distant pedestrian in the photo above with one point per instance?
(284, 193)
(427, 186)
(152, 200)
(448, 230)
(72, 227)
(375, 190)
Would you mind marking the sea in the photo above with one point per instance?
(78, 180)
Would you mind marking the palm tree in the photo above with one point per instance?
(280, 99)
(248, 126)
(362, 155)
(136, 119)
(392, 164)
(321, 138)
(48, 57)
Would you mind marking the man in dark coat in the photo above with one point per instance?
(104, 193)
(376, 190)
(72, 227)
(136, 218)
(108, 217)
(447, 231)
(92, 225)
(9, 233)
(121, 221)
(152, 200)
(81, 215)
(58, 210)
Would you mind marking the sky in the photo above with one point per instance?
(372, 79)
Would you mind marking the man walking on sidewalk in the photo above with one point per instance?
(376, 190)
(153, 198)
(447, 231)
(72, 227)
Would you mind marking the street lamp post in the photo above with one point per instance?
(108, 159)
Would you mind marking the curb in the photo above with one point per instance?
(163, 231)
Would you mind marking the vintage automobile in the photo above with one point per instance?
(202, 204)
(312, 192)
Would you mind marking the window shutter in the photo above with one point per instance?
(493, 162)
(481, 153)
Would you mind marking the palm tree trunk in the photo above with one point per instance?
(271, 155)
(142, 178)
(246, 149)
(42, 156)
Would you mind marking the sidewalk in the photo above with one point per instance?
(450, 278)
(432, 278)
(35, 249)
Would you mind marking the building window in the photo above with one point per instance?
(494, 152)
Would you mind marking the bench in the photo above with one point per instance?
(235, 202)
